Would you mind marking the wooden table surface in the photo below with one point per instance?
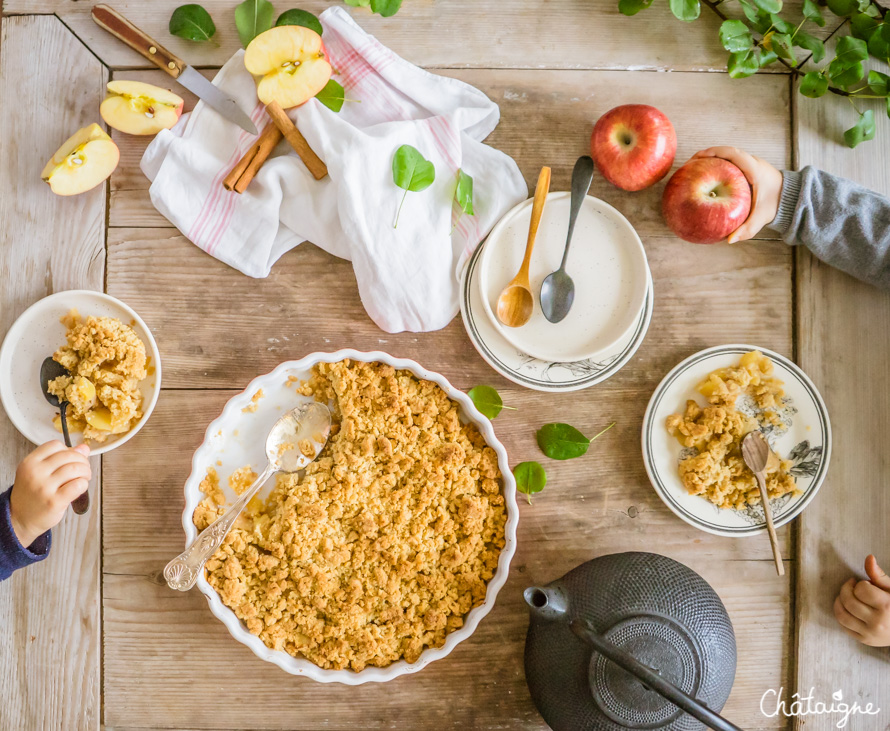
(91, 639)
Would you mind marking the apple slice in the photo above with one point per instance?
(86, 159)
(140, 109)
(291, 61)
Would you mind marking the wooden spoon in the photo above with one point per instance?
(755, 452)
(515, 303)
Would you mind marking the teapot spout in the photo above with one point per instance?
(548, 602)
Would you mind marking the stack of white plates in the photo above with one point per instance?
(613, 297)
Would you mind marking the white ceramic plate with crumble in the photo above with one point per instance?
(806, 441)
(36, 335)
(236, 438)
(526, 370)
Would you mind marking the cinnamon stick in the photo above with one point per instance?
(297, 141)
(248, 166)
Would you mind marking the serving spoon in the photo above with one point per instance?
(755, 452)
(558, 289)
(49, 371)
(515, 302)
(310, 422)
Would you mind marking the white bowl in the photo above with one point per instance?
(236, 438)
(607, 262)
(37, 334)
(806, 442)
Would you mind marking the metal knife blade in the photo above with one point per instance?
(214, 97)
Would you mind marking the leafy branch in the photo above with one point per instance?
(762, 38)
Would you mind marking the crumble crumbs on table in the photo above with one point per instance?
(718, 472)
(384, 543)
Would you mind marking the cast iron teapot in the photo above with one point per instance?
(629, 641)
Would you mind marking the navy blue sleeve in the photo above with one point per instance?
(13, 555)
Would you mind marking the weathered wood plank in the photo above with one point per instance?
(184, 655)
(49, 647)
(567, 34)
(842, 344)
(547, 117)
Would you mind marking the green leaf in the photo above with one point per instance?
(192, 22)
(769, 6)
(332, 96)
(386, 8)
(811, 44)
(781, 44)
(735, 36)
(879, 43)
(487, 400)
(813, 85)
(562, 441)
(300, 17)
(878, 83)
(742, 64)
(463, 194)
(686, 10)
(862, 131)
(412, 172)
(765, 58)
(873, 11)
(632, 7)
(862, 26)
(846, 68)
(253, 17)
(812, 13)
(530, 478)
(843, 7)
(758, 19)
(359, 3)
(888, 106)
(864, 5)
(780, 25)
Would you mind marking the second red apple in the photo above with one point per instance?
(633, 146)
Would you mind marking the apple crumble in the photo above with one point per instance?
(383, 544)
(717, 470)
(106, 361)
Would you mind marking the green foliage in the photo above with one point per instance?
(530, 478)
(487, 400)
(562, 441)
(762, 37)
(412, 172)
(300, 17)
(332, 96)
(253, 17)
(192, 22)
(385, 8)
(463, 193)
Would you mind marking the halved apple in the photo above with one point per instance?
(291, 61)
(140, 109)
(86, 159)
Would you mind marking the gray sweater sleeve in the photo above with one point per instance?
(842, 223)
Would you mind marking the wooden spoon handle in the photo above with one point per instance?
(541, 191)
(770, 528)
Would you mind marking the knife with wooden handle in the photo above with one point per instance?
(122, 29)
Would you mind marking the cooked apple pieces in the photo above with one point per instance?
(291, 63)
(717, 471)
(83, 161)
(106, 361)
(140, 109)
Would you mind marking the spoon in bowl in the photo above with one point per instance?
(755, 452)
(50, 370)
(307, 428)
(516, 303)
(558, 289)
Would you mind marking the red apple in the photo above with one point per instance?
(706, 200)
(633, 146)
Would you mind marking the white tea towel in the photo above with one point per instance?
(407, 276)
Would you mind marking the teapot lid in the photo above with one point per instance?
(652, 607)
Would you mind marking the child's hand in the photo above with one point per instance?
(863, 607)
(46, 482)
(766, 188)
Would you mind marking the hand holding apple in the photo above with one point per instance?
(706, 200)
(766, 188)
(633, 146)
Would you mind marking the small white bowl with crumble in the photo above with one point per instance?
(383, 554)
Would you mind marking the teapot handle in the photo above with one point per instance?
(653, 680)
